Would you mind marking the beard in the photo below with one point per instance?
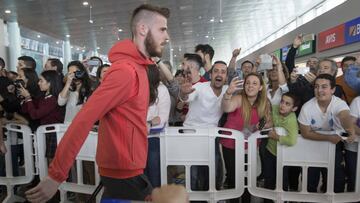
(150, 46)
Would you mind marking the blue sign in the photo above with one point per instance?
(284, 52)
(352, 31)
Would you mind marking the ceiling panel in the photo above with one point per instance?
(244, 21)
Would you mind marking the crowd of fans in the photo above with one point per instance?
(205, 94)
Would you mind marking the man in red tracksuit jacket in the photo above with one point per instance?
(120, 103)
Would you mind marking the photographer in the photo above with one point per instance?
(46, 108)
(76, 91)
(28, 79)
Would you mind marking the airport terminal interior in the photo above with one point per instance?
(223, 101)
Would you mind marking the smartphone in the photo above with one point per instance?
(262, 123)
(93, 63)
(239, 73)
(302, 71)
(308, 37)
(266, 62)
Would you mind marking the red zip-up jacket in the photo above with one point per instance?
(121, 104)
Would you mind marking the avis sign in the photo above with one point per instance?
(352, 31)
(331, 38)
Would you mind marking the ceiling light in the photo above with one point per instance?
(175, 55)
(98, 48)
(120, 30)
(85, 3)
(83, 50)
(206, 36)
(78, 49)
(72, 47)
(172, 49)
(213, 38)
(221, 21)
(57, 42)
(199, 17)
(7, 11)
(179, 49)
(101, 28)
(68, 36)
(90, 16)
(38, 36)
(212, 20)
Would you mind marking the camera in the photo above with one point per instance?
(19, 83)
(79, 74)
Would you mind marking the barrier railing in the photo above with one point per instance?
(193, 147)
(12, 130)
(87, 153)
(196, 147)
(305, 153)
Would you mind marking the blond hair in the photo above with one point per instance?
(261, 103)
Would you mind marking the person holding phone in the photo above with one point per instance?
(245, 111)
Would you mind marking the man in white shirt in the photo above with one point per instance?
(205, 111)
(205, 98)
(351, 149)
(324, 118)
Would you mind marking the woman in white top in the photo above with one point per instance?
(158, 115)
(277, 85)
(76, 91)
(159, 104)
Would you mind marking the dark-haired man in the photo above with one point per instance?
(54, 64)
(205, 98)
(350, 94)
(121, 104)
(204, 111)
(191, 66)
(324, 118)
(26, 62)
(206, 52)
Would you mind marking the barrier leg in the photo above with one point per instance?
(11, 197)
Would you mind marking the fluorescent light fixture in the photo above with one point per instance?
(120, 30)
(85, 3)
(67, 35)
(7, 11)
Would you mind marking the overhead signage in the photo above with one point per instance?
(277, 53)
(331, 38)
(352, 31)
(306, 48)
(284, 52)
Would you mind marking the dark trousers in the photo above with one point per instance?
(270, 173)
(15, 154)
(135, 188)
(152, 170)
(339, 179)
(350, 167)
(229, 158)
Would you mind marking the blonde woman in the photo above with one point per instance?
(245, 111)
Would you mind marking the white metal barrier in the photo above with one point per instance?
(193, 147)
(196, 147)
(9, 180)
(87, 153)
(305, 153)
